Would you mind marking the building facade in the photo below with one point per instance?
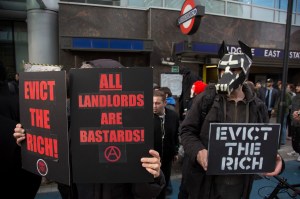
(149, 37)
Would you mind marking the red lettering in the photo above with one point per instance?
(111, 118)
(36, 90)
(112, 136)
(42, 145)
(39, 118)
(110, 82)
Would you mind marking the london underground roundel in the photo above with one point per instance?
(190, 17)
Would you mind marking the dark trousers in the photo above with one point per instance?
(183, 193)
(166, 167)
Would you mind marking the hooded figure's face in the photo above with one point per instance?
(233, 72)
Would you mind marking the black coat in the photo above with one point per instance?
(195, 138)
(262, 95)
(171, 140)
(121, 190)
(17, 183)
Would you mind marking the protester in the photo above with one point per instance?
(111, 190)
(197, 88)
(234, 102)
(290, 88)
(166, 124)
(171, 102)
(188, 78)
(12, 174)
(285, 109)
(295, 122)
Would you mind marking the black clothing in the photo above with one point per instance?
(121, 191)
(166, 142)
(17, 182)
(295, 123)
(188, 80)
(264, 94)
(194, 139)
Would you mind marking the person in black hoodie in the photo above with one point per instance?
(12, 174)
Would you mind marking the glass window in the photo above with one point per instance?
(296, 5)
(264, 3)
(238, 10)
(281, 4)
(176, 4)
(136, 3)
(280, 16)
(297, 20)
(215, 6)
(153, 3)
(261, 13)
(145, 3)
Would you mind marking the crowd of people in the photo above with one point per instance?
(186, 123)
(271, 94)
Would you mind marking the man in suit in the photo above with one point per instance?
(269, 95)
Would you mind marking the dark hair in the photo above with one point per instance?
(167, 91)
(158, 93)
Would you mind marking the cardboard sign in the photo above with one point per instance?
(44, 116)
(111, 124)
(242, 148)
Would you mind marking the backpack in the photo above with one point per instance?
(208, 100)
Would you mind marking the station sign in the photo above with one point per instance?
(190, 17)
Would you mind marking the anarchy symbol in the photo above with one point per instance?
(112, 154)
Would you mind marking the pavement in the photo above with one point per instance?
(262, 186)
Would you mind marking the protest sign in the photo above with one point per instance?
(111, 124)
(242, 148)
(44, 117)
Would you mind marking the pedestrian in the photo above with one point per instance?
(295, 123)
(17, 182)
(269, 95)
(166, 124)
(285, 111)
(197, 88)
(171, 102)
(230, 103)
(188, 78)
(291, 90)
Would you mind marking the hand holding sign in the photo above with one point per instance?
(152, 164)
(202, 158)
(278, 167)
(19, 134)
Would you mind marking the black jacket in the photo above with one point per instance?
(18, 183)
(171, 140)
(121, 191)
(194, 138)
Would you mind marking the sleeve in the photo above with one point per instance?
(177, 135)
(151, 189)
(190, 129)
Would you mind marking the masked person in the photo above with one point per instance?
(234, 102)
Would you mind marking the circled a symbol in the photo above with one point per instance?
(112, 154)
(42, 167)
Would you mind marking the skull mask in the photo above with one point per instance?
(233, 68)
